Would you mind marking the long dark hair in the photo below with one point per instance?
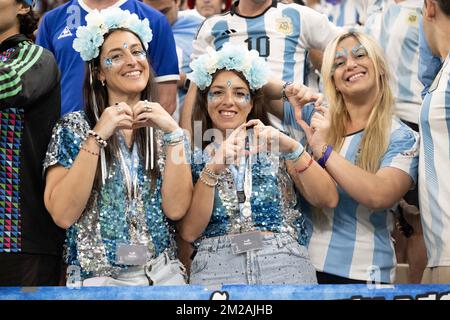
(200, 112)
(28, 22)
(101, 98)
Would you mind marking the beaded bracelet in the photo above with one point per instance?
(283, 90)
(102, 143)
(325, 155)
(209, 184)
(175, 142)
(210, 173)
(174, 136)
(89, 151)
(294, 155)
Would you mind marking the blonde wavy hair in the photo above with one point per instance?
(376, 134)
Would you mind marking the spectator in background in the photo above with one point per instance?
(184, 29)
(42, 6)
(281, 33)
(348, 14)
(57, 31)
(206, 8)
(395, 25)
(30, 242)
(434, 165)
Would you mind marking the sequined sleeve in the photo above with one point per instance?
(67, 136)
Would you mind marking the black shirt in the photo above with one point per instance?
(29, 108)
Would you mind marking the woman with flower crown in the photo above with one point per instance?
(242, 219)
(118, 209)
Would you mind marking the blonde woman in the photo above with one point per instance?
(371, 155)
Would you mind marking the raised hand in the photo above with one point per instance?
(150, 114)
(115, 117)
(317, 131)
(269, 139)
(299, 95)
(229, 151)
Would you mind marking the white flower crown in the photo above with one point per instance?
(89, 38)
(230, 57)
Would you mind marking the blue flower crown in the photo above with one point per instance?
(89, 38)
(230, 57)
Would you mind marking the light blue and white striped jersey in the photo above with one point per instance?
(396, 28)
(353, 241)
(184, 30)
(281, 35)
(434, 168)
(348, 14)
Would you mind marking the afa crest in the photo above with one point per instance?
(284, 25)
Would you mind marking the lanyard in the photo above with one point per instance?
(130, 171)
(243, 180)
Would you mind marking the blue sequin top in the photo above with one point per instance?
(92, 241)
(273, 199)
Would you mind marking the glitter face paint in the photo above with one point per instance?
(342, 56)
(239, 97)
(119, 58)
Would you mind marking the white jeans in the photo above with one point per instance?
(159, 271)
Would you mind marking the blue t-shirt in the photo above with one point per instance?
(184, 30)
(57, 32)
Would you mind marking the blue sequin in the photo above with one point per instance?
(273, 199)
(106, 207)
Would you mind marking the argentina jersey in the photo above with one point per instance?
(434, 166)
(396, 27)
(282, 35)
(353, 241)
(346, 13)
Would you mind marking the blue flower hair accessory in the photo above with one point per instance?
(90, 37)
(230, 57)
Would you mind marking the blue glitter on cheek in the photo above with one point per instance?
(342, 54)
(210, 97)
(108, 62)
(244, 100)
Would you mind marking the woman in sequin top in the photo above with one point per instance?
(117, 210)
(243, 217)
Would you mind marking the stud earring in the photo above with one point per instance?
(103, 83)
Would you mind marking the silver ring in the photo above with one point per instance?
(119, 108)
(147, 106)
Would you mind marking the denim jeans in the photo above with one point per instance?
(281, 260)
(159, 271)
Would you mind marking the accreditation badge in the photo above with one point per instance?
(284, 25)
(247, 241)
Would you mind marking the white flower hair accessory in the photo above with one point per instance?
(90, 37)
(230, 57)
